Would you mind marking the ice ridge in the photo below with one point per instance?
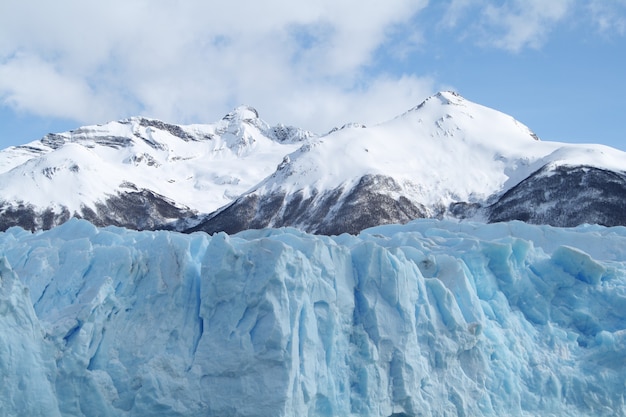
(432, 318)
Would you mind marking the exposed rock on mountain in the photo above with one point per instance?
(565, 196)
(332, 212)
(139, 173)
(446, 158)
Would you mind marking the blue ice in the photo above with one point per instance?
(432, 318)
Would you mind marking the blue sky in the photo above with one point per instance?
(557, 66)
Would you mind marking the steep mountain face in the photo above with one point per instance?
(446, 158)
(330, 212)
(139, 173)
(565, 196)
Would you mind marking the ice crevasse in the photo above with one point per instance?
(432, 318)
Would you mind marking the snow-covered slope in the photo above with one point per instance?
(139, 172)
(433, 318)
(446, 157)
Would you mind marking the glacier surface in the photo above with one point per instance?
(432, 318)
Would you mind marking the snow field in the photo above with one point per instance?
(204, 168)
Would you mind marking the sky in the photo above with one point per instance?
(557, 66)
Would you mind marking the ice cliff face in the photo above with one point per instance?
(427, 319)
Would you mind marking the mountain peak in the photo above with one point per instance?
(444, 98)
(450, 97)
(242, 113)
(239, 121)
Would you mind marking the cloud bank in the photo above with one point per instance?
(186, 61)
(303, 63)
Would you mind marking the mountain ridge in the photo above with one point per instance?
(444, 158)
(86, 172)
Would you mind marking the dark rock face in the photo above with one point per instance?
(565, 197)
(239, 215)
(27, 218)
(55, 141)
(175, 130)
(463, 210)
(139, 210)
(364, 206)
(330, 213)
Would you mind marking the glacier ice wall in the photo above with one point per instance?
(426, 319)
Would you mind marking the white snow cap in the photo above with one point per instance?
(445, 149)
(199, 166)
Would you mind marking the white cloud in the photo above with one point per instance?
(27, 83)
(609, 16)
(193, 60)
(381, 100)
(456, 10)
(518, 24)
(515, 25)
(306, 63)
(512, 25)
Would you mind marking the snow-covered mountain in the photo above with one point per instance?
(447, 157)
(139, 173)
(432, 318)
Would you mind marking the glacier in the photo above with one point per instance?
(431, 318)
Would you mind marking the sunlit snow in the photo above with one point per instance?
(446, 150)
(201, 167)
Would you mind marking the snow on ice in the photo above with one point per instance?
(432, 318)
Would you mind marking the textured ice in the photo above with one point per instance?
(426, 319)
